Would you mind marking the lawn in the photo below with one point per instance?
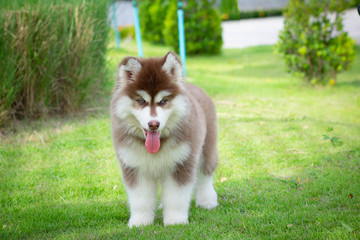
(289, 160)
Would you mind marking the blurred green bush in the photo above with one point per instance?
(152, 15)
(52, 56)
(127, 32)
(229, 9)
(313, 42)
(260, 13)
(202, 27)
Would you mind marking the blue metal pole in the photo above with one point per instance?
(117, 35)
(137, 30)
(180, 14)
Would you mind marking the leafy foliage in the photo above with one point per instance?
(202, 27)
(152, 15)
(170, 31)
(144, 17)
(333, 139)
(313, 42)
(229, 9)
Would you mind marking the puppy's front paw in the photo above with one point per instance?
(140, 220)
(175, 218)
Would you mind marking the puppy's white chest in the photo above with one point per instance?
(154, 164)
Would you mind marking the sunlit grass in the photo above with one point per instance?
(278, 178)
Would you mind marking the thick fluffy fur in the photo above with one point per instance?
(154, 90)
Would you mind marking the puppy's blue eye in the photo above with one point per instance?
(141, 101)
(163, 101)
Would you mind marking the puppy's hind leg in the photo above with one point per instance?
(206, 196)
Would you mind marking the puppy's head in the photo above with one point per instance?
(149, 97)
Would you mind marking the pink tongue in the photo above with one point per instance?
(152, 142)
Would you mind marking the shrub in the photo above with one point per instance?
(127, 32)
(260, 13)
(152, 15)
(229, 9)
(144, 18)
(313, 42)
(202, 27)
(170, 30)
(52, 57)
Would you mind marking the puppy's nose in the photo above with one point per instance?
(154, 125)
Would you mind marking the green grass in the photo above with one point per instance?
(279, 177)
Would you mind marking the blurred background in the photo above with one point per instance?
(53, 52)
(285, 79)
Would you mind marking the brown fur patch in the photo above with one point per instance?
(185, 172)
(129, 175)
(153, 109)
(152, 79)
(200, 129)
(209, 149)
(210, 153)
(191, 130)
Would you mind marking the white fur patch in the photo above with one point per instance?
(206, 196)
(179, 110)
(161, 95)
(157, 164)
(170, 64)
(162, 115)
(142, 200)
(122, 109)
(132, 66)
(144, 95)
(142, 115)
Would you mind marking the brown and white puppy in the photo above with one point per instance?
(164, 132)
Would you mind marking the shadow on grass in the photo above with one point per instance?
(53, 219)
(55, 121)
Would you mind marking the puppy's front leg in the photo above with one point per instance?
(142, 200)
(176, 201)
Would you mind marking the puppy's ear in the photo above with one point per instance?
(128, 69)
(172, 66)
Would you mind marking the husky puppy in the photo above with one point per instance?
(164, 133)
